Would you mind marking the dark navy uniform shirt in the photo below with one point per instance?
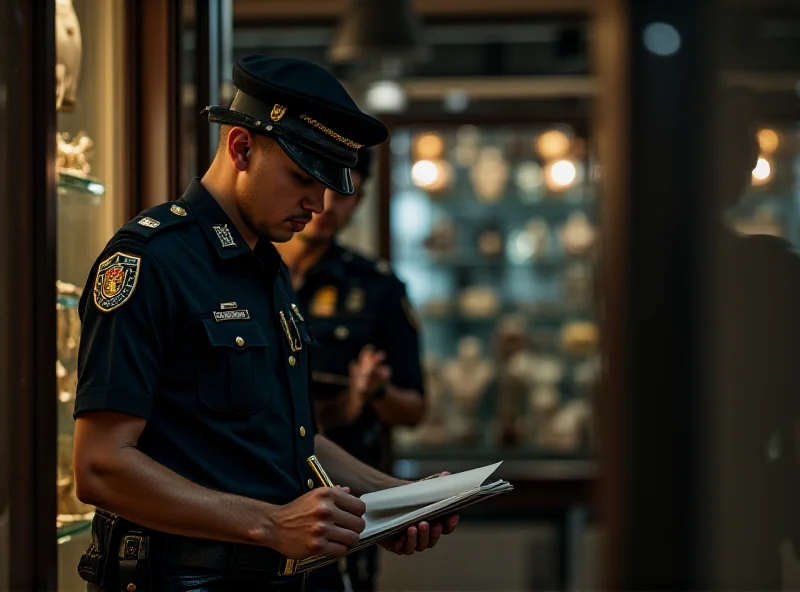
(187, 327)
(351, 301)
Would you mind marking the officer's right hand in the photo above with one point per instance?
(324, 521)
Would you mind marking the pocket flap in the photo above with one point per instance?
(235, 334)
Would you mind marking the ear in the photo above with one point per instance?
(240, 145)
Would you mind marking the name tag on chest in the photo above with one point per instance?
(232, 315)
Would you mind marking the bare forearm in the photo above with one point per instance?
(403, 407)
(149, 494)
(346, 470)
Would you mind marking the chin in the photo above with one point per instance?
(281, 237)
(275, 235)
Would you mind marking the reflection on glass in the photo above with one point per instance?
(501, 269)
(89, 209)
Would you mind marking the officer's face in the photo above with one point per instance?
(276, 197)
(337, 214)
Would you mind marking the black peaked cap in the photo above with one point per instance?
(307, 110)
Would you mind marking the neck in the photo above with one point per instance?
(221, 190)
(301, 255)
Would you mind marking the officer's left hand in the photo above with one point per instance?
(424, 535)
(369, 372)
(420, 537)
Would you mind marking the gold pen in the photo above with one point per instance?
(315, 465)
(291, 566)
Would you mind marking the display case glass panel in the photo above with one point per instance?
(493, 229)
(90, 207)
(771, 204)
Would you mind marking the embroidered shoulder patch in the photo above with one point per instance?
(116, 280)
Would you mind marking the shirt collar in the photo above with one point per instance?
(221, 233)
(217, 227)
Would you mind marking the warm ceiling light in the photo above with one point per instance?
(552, 144)
(428, 146)
(768, 140)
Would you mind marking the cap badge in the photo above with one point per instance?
(224, 235)
(278, 111)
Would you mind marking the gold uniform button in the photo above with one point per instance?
(341, 332)
(302, 431)
(239, 341)
(310, 484)
(131, 588)
(292, 361)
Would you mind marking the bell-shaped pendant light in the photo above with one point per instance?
(373, 31)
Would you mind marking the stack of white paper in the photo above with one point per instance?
(393, 510)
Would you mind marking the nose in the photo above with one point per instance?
(315, 203)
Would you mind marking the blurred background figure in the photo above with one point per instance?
(366, 365)
(758, 279)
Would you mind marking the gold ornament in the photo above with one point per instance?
(489, 175)
(72, 156)
(69, 47)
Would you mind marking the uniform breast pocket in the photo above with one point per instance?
(233, 376)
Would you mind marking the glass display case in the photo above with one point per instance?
(90, 166)
(493, 230)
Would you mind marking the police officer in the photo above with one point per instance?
(194, 430)
(367, 373)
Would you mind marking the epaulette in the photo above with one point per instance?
(156, 219)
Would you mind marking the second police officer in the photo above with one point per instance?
(366, 368)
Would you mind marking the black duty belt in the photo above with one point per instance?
(206, 555)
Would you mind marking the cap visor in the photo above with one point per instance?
(327, 172)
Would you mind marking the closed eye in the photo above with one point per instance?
(303, 179)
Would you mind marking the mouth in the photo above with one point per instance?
(298, 224)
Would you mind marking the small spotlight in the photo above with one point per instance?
(386, 96)
(762, 172)
(561, 174)
(424, 173)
